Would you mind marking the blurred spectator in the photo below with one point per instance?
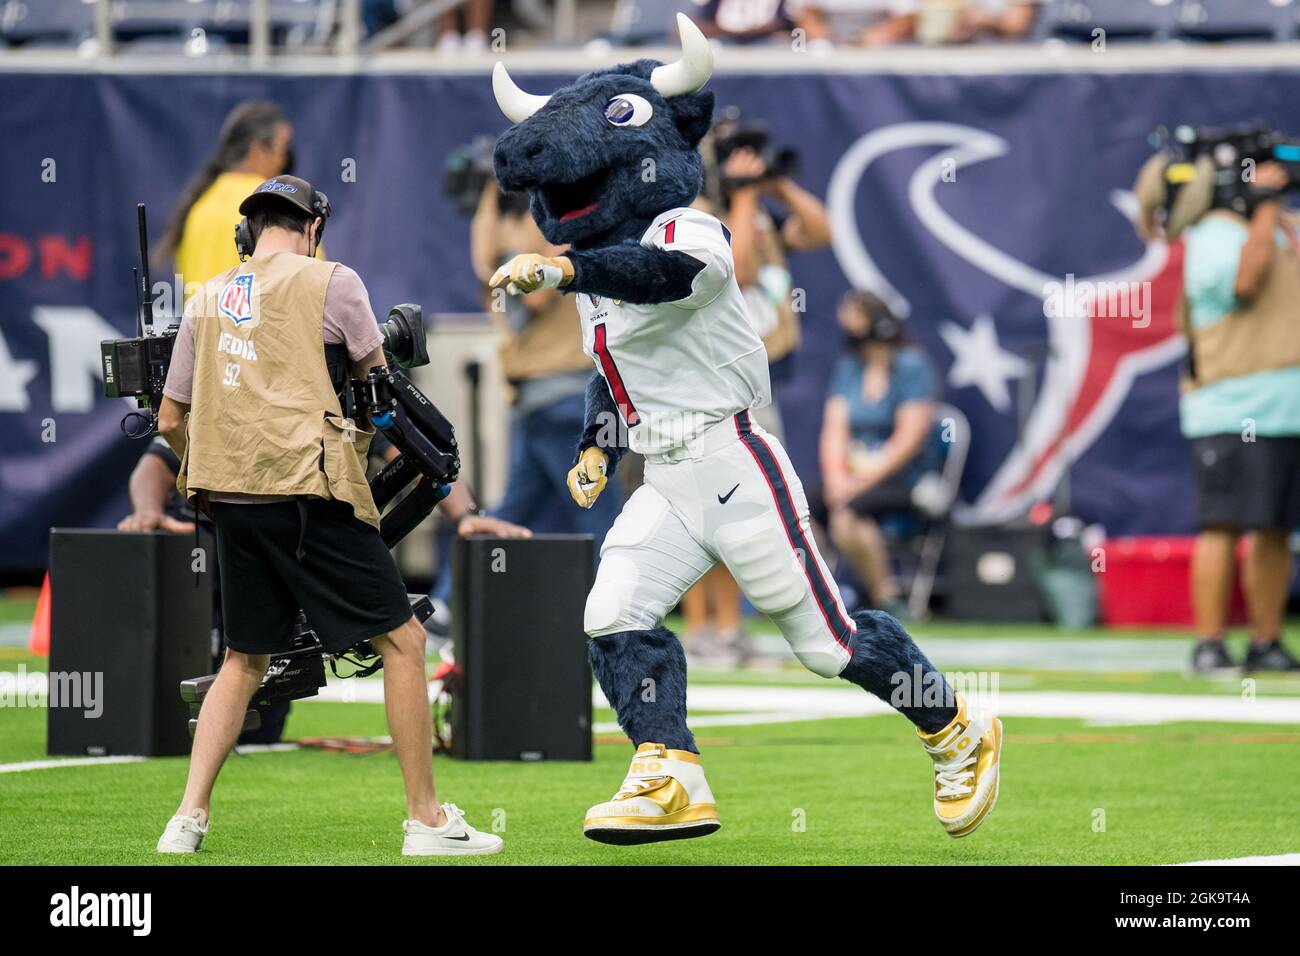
(876, 431)
(256, 143)
(737, 181)
(744, 21)
(1241, 400)
(378, 14)
(851, 22)
(543, 361)
(478, 19)
(963, 21)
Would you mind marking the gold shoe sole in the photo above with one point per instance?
(687, 823)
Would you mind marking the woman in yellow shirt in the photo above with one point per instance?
(256, 144)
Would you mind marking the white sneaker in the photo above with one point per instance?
(453, 838)
(183, 834)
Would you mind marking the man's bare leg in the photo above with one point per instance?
(220, 721)
(406, 701)
(1268, 572)
(863, 545)
(1213, 565)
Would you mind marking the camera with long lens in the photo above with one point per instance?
(467, 170)
(731, 133)
(1235, 152)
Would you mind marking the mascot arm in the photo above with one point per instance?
(645, 275)
(600, 416)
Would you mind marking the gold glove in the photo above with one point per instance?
(587, 478)
(530, 272)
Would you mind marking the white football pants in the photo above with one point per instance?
(729, 495)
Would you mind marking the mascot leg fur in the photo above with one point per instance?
(665, 795)
(965, 748)
(882, 650)
(624, 664)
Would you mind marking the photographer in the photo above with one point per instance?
(1241, 396)
(250, 410)
(749, 186)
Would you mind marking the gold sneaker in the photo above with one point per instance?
(663, 797)
(965, 755)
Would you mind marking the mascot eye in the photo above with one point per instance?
(628, 110)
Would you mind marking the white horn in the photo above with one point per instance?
(693, 70)
(514, 102)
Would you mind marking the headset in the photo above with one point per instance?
(885, 327)
(245, 241)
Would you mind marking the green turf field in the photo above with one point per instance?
(844, 790)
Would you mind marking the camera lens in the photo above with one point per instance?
(404, 336)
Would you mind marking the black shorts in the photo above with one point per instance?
(1247, 485)
(892, 496)
(346, 582)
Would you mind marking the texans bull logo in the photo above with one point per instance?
(1092, 357)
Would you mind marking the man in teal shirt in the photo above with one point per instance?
(1241, 410)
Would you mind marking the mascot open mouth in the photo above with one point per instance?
(574, 200)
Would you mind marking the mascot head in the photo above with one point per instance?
(603, 156)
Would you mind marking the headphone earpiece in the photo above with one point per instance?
(244, 239)
(320, 204)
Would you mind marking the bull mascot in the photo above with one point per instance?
(610, 165)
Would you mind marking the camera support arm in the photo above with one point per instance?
(429, 460)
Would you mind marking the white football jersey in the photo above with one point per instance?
(676, 368)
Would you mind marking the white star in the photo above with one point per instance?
(978, 360)
(15, 374)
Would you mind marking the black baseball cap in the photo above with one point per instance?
(288, 189)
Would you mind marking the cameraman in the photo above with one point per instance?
(250, 410)
(1241, 400)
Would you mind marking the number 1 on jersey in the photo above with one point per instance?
(616, 386)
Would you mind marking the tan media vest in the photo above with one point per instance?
(1257, 336)
(264, 418)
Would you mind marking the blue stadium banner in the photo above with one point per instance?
(991, 209)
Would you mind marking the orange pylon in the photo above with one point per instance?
(39, 642)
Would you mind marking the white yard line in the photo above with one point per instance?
(811, 703)
(747, 705)
(66, 762)
(1109, 708)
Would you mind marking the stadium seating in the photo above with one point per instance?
(46, 22)
(1239, 19)
(642, 22)
(1120, 19)
(152, 23)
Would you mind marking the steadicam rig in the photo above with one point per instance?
(417, 479)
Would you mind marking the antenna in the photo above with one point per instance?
(139, 312)
(146, 289)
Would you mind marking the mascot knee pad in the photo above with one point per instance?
(637, 522)
(610, 606)
(765, 567)
(823, 663)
